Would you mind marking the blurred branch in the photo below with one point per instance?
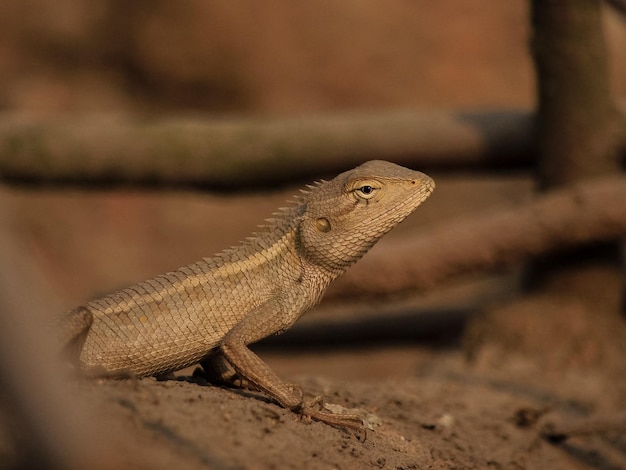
(583, 213)
(579, 137)
(580, 131)
(230, 153)
(244, 153)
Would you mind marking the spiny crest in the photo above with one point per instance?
(296, 200)
(282, 217)
(313, 186)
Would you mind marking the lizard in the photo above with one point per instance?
(210, 311)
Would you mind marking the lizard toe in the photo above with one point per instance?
(350, 421)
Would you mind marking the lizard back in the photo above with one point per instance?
(176, 319)
(145, 327)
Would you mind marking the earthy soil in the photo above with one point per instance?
(425, 410)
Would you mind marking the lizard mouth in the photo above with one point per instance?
(391, 217)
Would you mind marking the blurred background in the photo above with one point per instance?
(94, 198)
(271, 58)
(114, 61)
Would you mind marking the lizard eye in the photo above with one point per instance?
(366, 191)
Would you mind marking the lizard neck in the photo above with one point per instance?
(316, 279)
(278, 250)
(271, 249)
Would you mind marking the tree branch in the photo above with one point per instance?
(232, 153)
(583, 213)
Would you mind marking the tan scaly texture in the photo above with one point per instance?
(209, 311)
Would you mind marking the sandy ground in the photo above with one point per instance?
(428, 409)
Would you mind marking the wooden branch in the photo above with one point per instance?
(583, 213)
(579, 132)
(231, 153)
(579, 129)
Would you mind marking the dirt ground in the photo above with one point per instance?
(426, 409)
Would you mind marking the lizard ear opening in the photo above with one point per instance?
(323, 225)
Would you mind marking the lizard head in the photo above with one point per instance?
(345, 217)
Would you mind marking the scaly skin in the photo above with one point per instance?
(210, 311)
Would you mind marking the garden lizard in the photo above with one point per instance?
(211, 310)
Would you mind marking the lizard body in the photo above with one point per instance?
(211, 310)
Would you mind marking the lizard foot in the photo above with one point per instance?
(312, 410)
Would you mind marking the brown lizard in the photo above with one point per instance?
(211, 310)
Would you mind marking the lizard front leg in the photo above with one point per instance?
(251, 368)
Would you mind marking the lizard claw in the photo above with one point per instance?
(316, 401)
(312, 410)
